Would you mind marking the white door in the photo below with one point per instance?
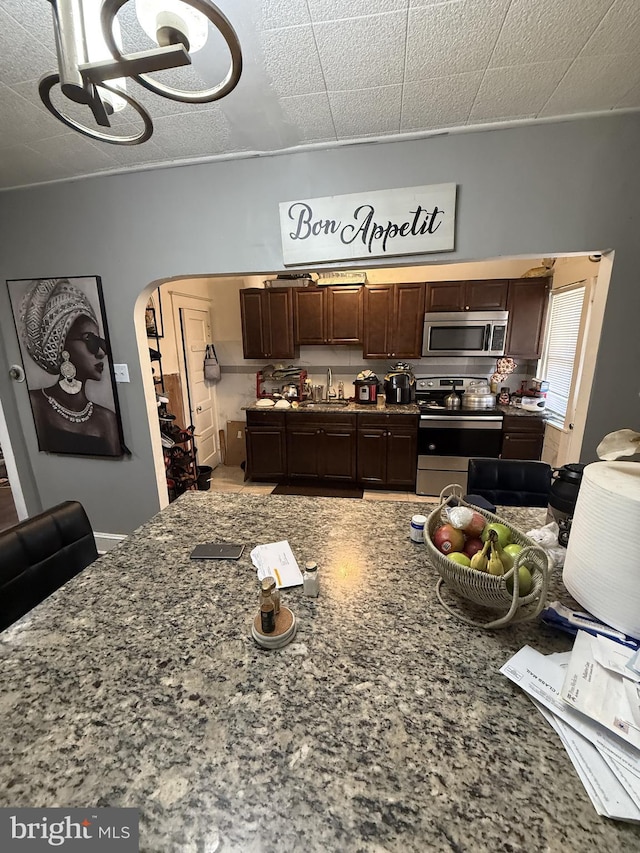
(196, 333)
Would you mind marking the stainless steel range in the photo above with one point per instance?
(448, 438)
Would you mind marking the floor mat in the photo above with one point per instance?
(316, 490)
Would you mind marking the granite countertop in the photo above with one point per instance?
(349, 408)
(523, 413)
(385, 727)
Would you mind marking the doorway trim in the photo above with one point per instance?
(180, 300)
(12, 469)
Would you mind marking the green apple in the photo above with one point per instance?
(460, 558)
(504, 534)
(526, 582)
(513, 549)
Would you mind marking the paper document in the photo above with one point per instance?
(276, 560)
(598, 684)
(608, 768)
(601, 782)
(542, 679)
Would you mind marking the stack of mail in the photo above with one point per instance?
(276, 560)
(591, 697)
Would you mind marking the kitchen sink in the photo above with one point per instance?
(308, 404)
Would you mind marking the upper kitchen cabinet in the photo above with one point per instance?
(267, 322)
(527, 306)
(327, 315)
(482, 295)
(393, 320)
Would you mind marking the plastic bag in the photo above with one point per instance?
(547, 538)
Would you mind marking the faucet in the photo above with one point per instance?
(331, 391)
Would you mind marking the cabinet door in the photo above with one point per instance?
(522, 445)
(408, 321)
(252, 313)
(344, 314)
(338, 458)
(487, 295)
(303, 450)
(527, 305)
(309, 315)
(378, 310)
(402, 456)
(279, 323)
(445, 296)
(372, 455)
(266, 453)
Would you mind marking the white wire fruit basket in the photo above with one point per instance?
(481, 588)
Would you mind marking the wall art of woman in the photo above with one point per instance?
(59, 329)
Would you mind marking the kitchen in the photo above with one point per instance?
(315, 350)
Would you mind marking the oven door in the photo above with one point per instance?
(467, 436)
(445, 445)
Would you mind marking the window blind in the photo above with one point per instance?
(560, 351)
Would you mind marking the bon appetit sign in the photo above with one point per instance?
(376, 224)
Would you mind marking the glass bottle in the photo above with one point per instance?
(269, 586)
(381, 400)
(267, 613)
(310, 584)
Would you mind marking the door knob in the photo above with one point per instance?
(198, 408)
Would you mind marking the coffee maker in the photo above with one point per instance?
(400, 384)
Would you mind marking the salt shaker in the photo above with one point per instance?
(310, 584)
(416, 529)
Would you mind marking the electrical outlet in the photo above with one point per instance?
(121, 372)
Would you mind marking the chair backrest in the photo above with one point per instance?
(510, 482)
(39, 555)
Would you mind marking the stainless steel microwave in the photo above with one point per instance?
(465, 333)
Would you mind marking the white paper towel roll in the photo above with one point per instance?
(602, 565)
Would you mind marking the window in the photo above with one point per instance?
(563, 330)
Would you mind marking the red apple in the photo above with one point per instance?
(447, 539)
(475, 526)
(472, 546)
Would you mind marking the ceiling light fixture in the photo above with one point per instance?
(92, 70)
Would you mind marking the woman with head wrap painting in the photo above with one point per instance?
(61, 334)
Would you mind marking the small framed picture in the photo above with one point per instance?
(64, 342)
(153, 316)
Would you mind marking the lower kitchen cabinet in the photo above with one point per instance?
(266, 446)
(387, 450)
(522, 437)
(321, 448)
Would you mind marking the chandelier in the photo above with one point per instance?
(92, 70)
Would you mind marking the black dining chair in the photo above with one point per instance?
(509, 482)
(39, 555)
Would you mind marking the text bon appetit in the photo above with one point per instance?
(364, 225)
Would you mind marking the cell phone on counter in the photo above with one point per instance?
(217, 551)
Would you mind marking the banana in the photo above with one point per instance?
(479, 560)
(495, 566)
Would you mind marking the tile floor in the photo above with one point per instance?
(227, 479)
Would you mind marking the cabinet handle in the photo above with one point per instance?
(432, 447)
(466, 307)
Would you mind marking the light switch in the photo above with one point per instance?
(121, 372)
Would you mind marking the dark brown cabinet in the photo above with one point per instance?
(527, 306)
(481, 295)
(327, 315)
(522, 437)
(387, 450)
(266, 446)
(393, 319)
(267, 323)
(321, 447)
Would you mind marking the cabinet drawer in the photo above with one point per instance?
(267, 418)
(378, 419)
(523, 423)
(320, 420)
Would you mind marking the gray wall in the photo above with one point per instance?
(566, 187)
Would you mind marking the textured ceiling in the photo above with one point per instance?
(334, 71)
